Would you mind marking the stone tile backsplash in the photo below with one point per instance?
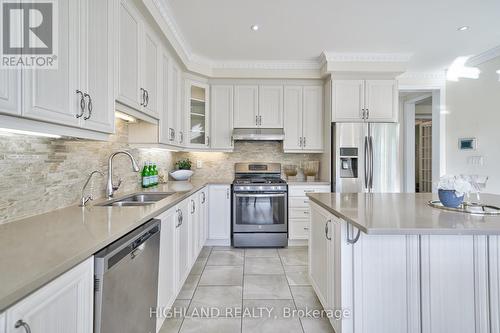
(39, 175)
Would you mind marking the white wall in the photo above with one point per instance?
(473, 110)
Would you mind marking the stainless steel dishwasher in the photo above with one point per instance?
(126, 282)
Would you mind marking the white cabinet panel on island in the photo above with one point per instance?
(219, 211)
(64, 305)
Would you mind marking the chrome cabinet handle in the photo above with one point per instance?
(181, 137)
(208, 141)
(304, 142)
(366, 162)
(306, 228)
(227, 194)
(232, 140)
(204, 197)
(370, 149)
(193, 207)
(82, 104)
(348, 236)
(142, 96)
(171, 135)
(306, 212)
(178, 218)
(367, 113)
(89, 107)
(260, 120)
(23, 324)
(146, 99)
(363, 114)
(300, 142)
(326, 229)
(256, 120)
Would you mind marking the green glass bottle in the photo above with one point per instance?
(155, 175)
(150, 175)
(145, 176)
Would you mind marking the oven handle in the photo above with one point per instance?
(260, 195)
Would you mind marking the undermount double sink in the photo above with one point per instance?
(137, 199)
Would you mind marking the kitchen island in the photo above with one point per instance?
(395, 264)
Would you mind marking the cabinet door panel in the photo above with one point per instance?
(347, 100)
(246, 104)
(219, 212)
(150, 79)
(10, 91)
(50, 95)
(128, 56)
(318, 253)
(197, 113)
(293, 118)
(271, 106)
(167, 273)
(99, 29)
(183, 245)
(166, 135)
(313, 118)
(381, 100)
(221, 117)
(194, 227)
(64, 305)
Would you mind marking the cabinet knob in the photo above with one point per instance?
(23, 324)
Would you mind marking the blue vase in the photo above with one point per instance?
(449, 198)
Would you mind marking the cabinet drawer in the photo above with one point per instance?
(298, 213)
(299, 229)
(301, 191)
(297, 202)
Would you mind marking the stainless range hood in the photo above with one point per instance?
(258, 134)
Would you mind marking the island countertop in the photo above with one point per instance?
(406, 214)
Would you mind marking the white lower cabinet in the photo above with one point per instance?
(167, 274)
(219, 212)
(203, 214)
(64, 305)
(183, 244)
(194, 227)
(298, 209)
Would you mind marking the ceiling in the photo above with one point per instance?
(300, 30)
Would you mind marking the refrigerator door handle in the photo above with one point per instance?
(366, 163)
(370, 144)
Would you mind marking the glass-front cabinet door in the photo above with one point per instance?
(197, 94)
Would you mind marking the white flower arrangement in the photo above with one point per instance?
(455, 183)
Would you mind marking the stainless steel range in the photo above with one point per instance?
(260, 204)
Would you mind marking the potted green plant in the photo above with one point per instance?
(183, 171)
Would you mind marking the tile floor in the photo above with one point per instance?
(263, 284)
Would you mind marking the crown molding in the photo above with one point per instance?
(435, 76)
(484, 57)
(364, 57)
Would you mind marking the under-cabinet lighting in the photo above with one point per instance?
(254, 27)
(458, 69)
(9, 131)
(498, 72)
(463, 28)
(125, 117)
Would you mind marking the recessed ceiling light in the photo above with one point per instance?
(254, 27)
(464, 28)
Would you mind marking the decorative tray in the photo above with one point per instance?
(468, 208)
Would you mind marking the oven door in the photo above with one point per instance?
(260, 212)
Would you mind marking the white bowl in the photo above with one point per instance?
(181, 174)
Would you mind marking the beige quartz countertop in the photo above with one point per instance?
(406, 214)
(35, 250)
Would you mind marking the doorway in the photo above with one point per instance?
(417, 108)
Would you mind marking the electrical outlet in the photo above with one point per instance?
(199, 164)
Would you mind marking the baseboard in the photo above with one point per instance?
(298, 242)
(218, 242)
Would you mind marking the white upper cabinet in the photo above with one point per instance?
(51, 95)
(64, 305)
(100, 65)
(381, 100)
(246, 106)
(138, 62)
(198, 114)
(10, 91)
(80, 91)
(221, 116)
(177, 111)
(364, 101)
(348, 100)
(128, 40)
(270, 106)
(303, 119)
(313, 119)
(293, 118)
(150, 73)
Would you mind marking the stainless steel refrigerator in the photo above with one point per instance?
(365, 157)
